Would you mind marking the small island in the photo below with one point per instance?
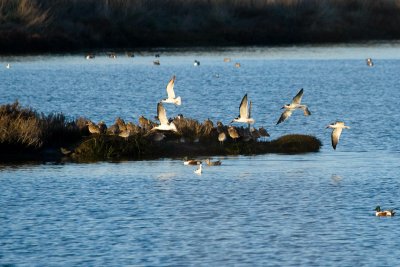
(27, 135)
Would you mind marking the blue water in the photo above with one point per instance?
(312, 209)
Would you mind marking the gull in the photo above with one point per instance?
(164, 124)
(171, 94)
(289, 108)
(198, 170)
(8, 66)
(385, 213)
(244, 112)
(337, 130)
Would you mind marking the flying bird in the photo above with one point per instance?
(171, 94)
(337, 130)
(244, 112)
(289, 108)
(165, 125)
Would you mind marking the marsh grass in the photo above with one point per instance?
(25, 128)
(66, 25)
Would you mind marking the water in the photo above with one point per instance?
(312, 209)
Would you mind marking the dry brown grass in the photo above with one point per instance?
(25, 127)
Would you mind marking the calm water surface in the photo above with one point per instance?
(269, 210)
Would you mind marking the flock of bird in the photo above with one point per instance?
(244, 115)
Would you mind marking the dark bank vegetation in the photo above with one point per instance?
(26, 134)
(72, 25)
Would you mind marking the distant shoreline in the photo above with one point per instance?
(44, 26)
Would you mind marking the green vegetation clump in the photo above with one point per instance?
(69, 25)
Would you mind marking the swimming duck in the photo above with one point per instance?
(213, 163)
(384, 213)
(191, 162)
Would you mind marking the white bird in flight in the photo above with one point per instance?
(171, 94)
(337, 130)
(244, 112)
(165, 125)
(289, 108)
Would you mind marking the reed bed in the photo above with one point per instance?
(66, 25)
(25, 128)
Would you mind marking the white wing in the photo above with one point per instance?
(335, 136)
(297, 98)
(243, 110)
(162, 115)
(170, 88)
(286, 114)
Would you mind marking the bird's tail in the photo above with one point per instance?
(178, 101)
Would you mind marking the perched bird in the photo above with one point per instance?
(222, 137)
(199, 169)
(384, 213)
(254, 133)
(113, 130)
(213, 163)
(337, 130)
(244, 112)
(369, 62)
(125, 134)
(289, 108)
(145, 123)
(171, 93)
(164, 124)
(103, 127)
(121, 124)
(93, 128)
(233, 133)
(65, 151)
(157, 137)
(263, 132)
